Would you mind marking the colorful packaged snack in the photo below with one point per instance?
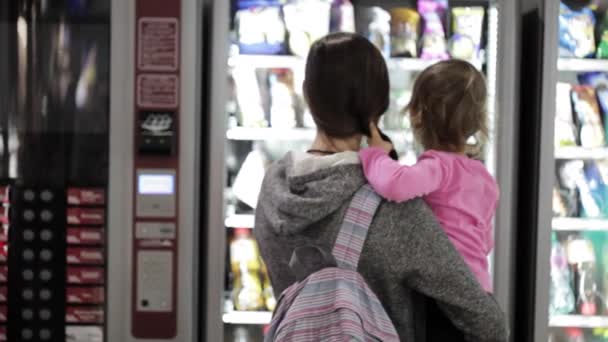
(306, 21)
(602, 47)
(576, 32)
(591, 132)
(594, 194)
(405, 24)
(433, 13)
(375, 24)
(259, 27)
(342, 16)
(602, 99)
(570, 174)
(467, 28)
(594, 79)
(565, 129)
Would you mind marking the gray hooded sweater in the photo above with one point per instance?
(303, 201)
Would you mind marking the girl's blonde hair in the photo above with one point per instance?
(448, 105)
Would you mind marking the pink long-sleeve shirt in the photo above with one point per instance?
(460, 191)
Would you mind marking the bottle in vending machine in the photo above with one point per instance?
(246, 267)
(561, 294)
(581, 255)
(269, 299)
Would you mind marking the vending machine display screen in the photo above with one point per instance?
(156, 184)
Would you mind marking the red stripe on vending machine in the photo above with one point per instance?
(155, 169)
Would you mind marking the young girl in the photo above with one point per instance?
(448, 106)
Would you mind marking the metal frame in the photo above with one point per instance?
(216, 146)
(507, 104)
(121, 175)
(120, 179)
(550, 13)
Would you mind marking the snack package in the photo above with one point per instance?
(467, 29)
(306, 22)
(260, 28)
(342, 16)
(405, 24)
(375, 24)
(602, 47)
(565, 130)
(569, 174)
(433, 13)
(576, 32)
(594, 79)
(249, 97)
(282, 99)
(602, 99)
(593, 194)
(591, 132)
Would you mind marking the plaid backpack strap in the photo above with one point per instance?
(355, 225)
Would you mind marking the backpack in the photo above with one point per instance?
(330, 301)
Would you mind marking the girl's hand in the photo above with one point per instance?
(375, 139)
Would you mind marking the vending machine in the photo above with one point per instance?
(97, 216)
(563, 224)
(257, 112)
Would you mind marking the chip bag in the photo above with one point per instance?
(587, 112)
(405, 24)
(433, 35)
(565, 130)
(467, 29)
(576, 32)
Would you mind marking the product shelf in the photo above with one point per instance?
(582, 65)
(289, 134)
(294, 62)
(577, 152)
(247, 317)
(240, 221)
(579, 224)
(578, 321)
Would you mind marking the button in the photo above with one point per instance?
(46, 235)
(46, 215)
(29, 195)
(45, 294)
(29, 235)
(46, 195)
(46, 275)
(27, 314)
(28, 274)
(45, 334)
(27, 334)
(46, 255)
(29, 215)
(28, 255)
(44, 314)
(27, 294)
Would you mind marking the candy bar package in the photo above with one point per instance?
(576, 32)
(569, 175)
(260, 27)
(602, 99)
(565, 129)
(306, 21)
(375, 24)
(433, 13)
(405, 23)
(594, 193)
(342, 16)
(594, 79)
(602, 47)
(465, 42)
(584, 101)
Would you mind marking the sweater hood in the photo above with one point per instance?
(303, 189)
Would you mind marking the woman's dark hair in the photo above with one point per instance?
(346, 84)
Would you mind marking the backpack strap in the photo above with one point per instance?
(352, 235)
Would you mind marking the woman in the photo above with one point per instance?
(305, 195)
